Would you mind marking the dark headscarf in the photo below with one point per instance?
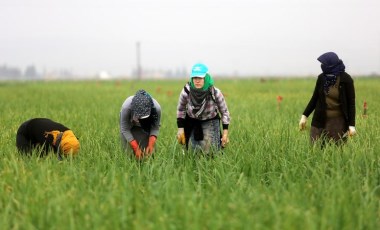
(142, 106)
(331, 67)
(142, 103)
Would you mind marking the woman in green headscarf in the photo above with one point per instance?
(200, 108)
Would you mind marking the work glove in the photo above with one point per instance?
(181, 136)
(225, 139)
(149, 149)
(351, 131)
(136, 149)
(302, 124)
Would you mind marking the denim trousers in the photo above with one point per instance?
(211, 137)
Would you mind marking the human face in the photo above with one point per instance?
(198, 82)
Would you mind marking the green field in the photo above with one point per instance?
(269, 177)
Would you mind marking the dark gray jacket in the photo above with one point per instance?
(317, 102)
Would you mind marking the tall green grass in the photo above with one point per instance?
(269, 177)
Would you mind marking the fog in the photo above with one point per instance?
(235, 38)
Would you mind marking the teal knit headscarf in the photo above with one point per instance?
(208, 82)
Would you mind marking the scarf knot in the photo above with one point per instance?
(57, 135)
(330, 80)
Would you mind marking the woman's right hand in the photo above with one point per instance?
(302, 124)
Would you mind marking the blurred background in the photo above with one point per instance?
(145, 39)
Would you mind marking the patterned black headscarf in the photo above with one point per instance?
(331, 66)
(142, 106)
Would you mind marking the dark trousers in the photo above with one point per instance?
(139, 135)
(334, 131)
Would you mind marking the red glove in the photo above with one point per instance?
(136, 149)
(149, 149)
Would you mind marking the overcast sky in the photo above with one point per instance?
(244, 37)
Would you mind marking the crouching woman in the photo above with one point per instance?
(140, 117)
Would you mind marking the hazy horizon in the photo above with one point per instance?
(241, 37)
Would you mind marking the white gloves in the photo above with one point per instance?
(351, 130)
(302, 124)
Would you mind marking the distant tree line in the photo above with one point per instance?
(8, 72)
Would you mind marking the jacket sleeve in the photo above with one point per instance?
(156, 128)
(222, 107)
(125, 120)
(350, 94)
(314, 99)
(181, 107)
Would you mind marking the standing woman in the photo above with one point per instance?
(333, 103)
(140, 117)
(46, 135)
(200, 108)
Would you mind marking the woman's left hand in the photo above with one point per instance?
(351, 131)
(149, 149)
(225, 139)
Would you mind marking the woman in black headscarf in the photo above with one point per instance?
(140, 117)
(333, 103)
